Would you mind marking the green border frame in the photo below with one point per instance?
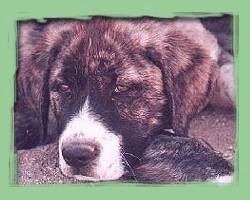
(11, 11)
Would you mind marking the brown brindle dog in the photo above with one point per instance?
(108, 87)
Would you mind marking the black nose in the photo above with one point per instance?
(78, 154)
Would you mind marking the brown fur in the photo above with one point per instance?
(175, 71)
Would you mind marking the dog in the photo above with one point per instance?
(108, 87)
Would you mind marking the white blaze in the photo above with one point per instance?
(85, 127)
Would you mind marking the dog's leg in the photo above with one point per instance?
(180, 159)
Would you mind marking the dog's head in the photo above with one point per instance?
(108, 101)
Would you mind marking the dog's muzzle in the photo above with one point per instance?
(88, 150)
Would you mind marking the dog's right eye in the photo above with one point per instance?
(129, 91)
(120, 88)
(61, 87)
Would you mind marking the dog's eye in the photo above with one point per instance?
(62, 87)
(120, 88)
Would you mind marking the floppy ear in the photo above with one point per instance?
(188, 75)
(30, 96)
(39, 47)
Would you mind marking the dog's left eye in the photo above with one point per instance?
(133, 90)
(62, 87)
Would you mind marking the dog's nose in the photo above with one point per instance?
(78, 154)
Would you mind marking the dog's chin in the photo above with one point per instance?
(90, 177)
(86, 178)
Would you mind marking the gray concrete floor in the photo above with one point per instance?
(40, 165)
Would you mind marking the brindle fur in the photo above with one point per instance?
(171, 159)
(146, 82)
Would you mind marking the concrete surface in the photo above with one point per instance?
(40, 165)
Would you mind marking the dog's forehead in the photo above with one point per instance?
(105, 58)
(104, 52)
(101, 60)
(68, 67)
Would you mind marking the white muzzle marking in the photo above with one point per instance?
(85, 127)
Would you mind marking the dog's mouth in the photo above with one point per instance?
(95, 170)
(88, 160)
(85, 173)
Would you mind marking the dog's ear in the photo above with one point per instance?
(32, 99)
(28, 116)
(39, 45)
(188, 75)
(156, 58)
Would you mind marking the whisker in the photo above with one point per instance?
(130, 154)
(129, 166)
